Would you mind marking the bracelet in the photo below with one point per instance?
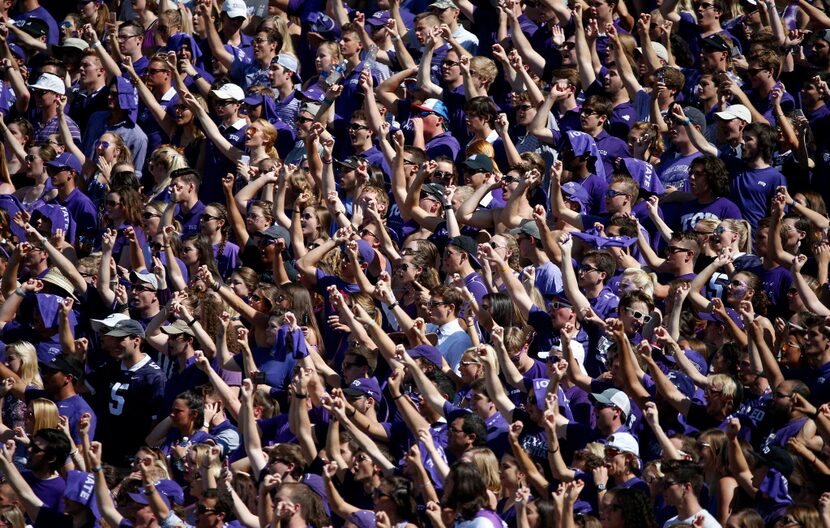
(326, 162)
(552, 451)
(401, 395)
(393, 305)
(300, 396)
(96, 44)
(20, 292)
(196, 77)
(447, 207)
(505, 269)
(193, 322)
(687, 122)
(73, 452)
(216, 286)
(97, 469)
(149, 489)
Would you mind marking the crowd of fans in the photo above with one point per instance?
(415, 263)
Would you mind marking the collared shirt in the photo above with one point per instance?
(44, 130)
(452, 341)
(217, 164)
(132, 134)
(190, 219)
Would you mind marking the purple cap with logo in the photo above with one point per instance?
(428, 352)
(65, 160)
(169, 490)
(363, 387)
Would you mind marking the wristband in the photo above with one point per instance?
(96, 44)
(505, 269)
(687, 122)
(192, 322)
(300, 396)
(20, 292)
(447, 207)
(401, 395)
(216, 286)
(327, 162)
(602, 487)
(552, 451)
(196, 77)
(97, 469)
(393, 305)
(73, 452)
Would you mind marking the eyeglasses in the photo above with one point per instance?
(450, 63)
(362, 457)
(524, 108)
(611, 452)
(208, 218)
(668, 482)
(363, 232)
(425, 196)
(221, 103)
(260, 40)
(556, 305)
(153, 71)
(705, 5)
(141, 289)
(30, 158)
(640, 316)
(409, 162)
(442, 175)
(585, 268)
(456, 430)
(122, 38)
(34, 448)
(356, 126)
(433, 304)
(611, 193)
(496, 246)
(754, 71)
(677, 249)
(423, 115)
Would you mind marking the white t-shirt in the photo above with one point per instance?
(708, 520)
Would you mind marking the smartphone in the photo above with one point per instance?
(798, 113)
(258, 378)
(245, 159)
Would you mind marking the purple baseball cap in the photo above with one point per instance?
(575, 192)
(540, 390)
(379, 18)
(695, 357)
(65, 160)
(12, 205)
(169, 490)
(362, 519)
(367, 254)
(600, 242)
(428, 352)
(56, 214)
(363, 387)
(706, 316)
(318, 486)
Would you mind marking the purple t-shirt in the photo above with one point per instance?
(686, 215)
(754, 189)
(72, 407)
(50, 492)
(674, 170)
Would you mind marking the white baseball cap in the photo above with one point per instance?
(660, 50)
(235, 8)
(614, 397)
(108, 322)
(624, 442)
(736, 111)
(230, 91)
(50, 83)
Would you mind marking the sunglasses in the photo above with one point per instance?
(442, 175)
(640, 316)
(355, 126)
(103, 145)
(208, 218)
(148, 215)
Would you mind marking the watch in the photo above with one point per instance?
(602, 487)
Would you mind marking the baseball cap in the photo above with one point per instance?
(74, 43)
(362, 519)
(443, 4)
(379, 18)
(435, 106)
(50, 83)
(288, 61)
(468, 245)
(125, 328)
(235, 9)
(108, 322)
(352, 162)
(716, 43)
(34, 27)
(776, 458)
(479, 162)
(169, 490)
(146, 277)
(363, 387)
(528, 228)
(177, 327)
(696, 117)
(311, 108)
(575, 192)
(230, 91)
(428, 352)
(65, 160)
(276, 232)
(64, 363)
(624, 442)
(660, 50)
(735, 111)
(435, 190)
(614, 397)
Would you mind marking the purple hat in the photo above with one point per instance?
(600, 242)
(643, 173)
(56, 214)
(319, 22)
(582, 143)
(575, 192)
(367, 254)
(314, 93)
(17, 51)
(379, 18)
(363, 387)
(318, 486)
(49, 306)
(428, 352)
(176, 41)
(168, 489)
(80, 488)
(362, 519)
(12, 205)
(695, 357)
(706, 316)
(540, 390)
(254, 99)
(65, 161)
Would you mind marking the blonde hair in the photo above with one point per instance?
(270, 134)
(488, 465)
(44, 414)
(29, 373)
(744, 231)
(642, 279)
(725, 383)
(485, 68)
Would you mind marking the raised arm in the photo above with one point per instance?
(585, 65)
(665, 388)
(569, 280)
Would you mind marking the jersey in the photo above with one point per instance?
(129, 402)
